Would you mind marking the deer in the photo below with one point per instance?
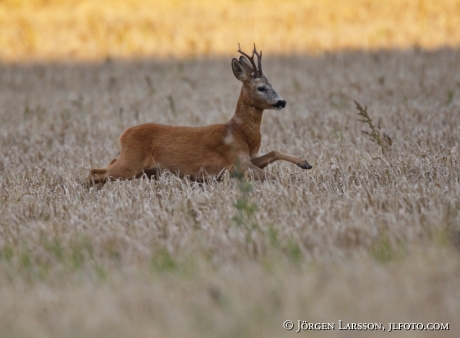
(208, 151)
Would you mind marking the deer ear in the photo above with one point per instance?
(246, 64)
(239, 71)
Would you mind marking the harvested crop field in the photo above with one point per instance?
(370, 235)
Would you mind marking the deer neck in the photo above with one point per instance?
(248, 119)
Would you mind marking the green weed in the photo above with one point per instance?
(384, 251)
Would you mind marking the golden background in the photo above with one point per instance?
(91, 30)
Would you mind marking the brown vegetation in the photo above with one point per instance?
(361, 237)
(365, 236)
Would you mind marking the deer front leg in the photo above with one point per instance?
(258, 173)
(264, 160)
(249, 169)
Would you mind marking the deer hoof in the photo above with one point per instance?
(304, 165)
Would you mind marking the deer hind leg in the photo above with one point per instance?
(272, 156)
(125, 167)
(97, 177)
(130, 166)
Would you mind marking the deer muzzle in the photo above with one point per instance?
(280, 104)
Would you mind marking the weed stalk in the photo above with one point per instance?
(380, 138)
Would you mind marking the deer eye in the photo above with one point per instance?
(262, 89)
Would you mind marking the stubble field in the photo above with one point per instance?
(364, 236)
(369, 235)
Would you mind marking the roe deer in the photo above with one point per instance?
(201, 152)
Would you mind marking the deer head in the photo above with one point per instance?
(257, 90)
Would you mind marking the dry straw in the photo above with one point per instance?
(363, 237)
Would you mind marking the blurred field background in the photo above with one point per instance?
(88, 30)
(368, 235)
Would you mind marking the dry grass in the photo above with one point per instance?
(87, 29)
(361, 237)
(366, 236)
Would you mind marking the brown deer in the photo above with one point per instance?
(202, 152)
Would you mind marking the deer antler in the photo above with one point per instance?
(257, 70)
(259, 58)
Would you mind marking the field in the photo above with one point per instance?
(91, 30)
(370, 235)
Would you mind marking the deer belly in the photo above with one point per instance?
(192, 163)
